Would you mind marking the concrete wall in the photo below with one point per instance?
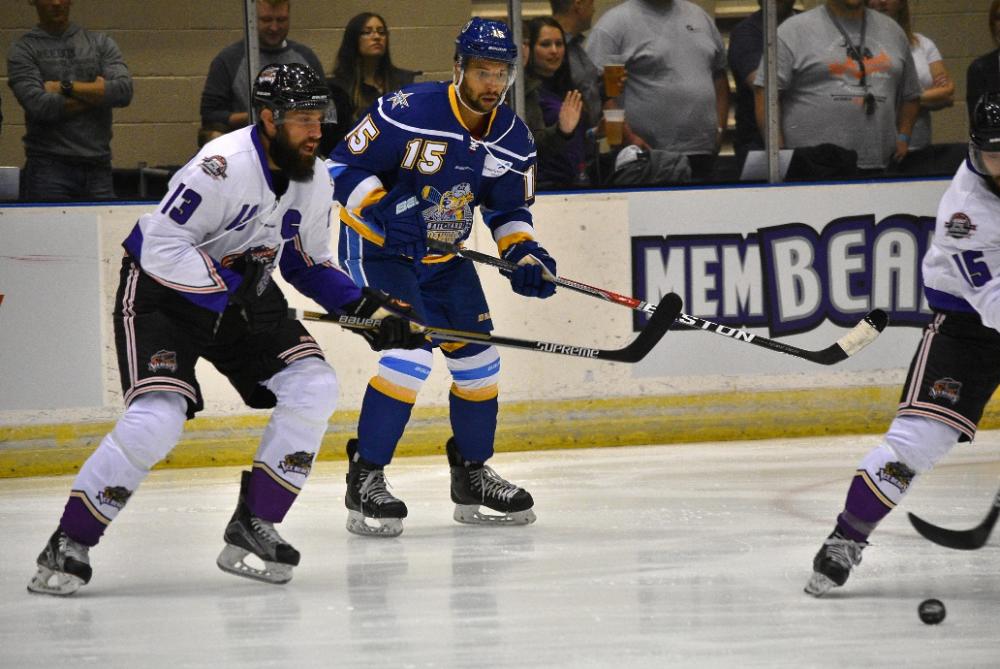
(169, 46)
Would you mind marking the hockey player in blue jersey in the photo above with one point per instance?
(195, 283)
(415, 166)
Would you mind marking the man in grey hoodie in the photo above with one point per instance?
(67, 79)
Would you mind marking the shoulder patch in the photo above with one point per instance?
(214, 166)
(959, 226)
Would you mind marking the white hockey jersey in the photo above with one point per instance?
(962, 266)
(221, 206)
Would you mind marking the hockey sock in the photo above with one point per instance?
(879, 485)
(306, 392)
(385, 411)
(474, 421)
(144, 435)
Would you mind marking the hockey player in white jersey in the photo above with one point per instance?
(195, 283)
(956, 367)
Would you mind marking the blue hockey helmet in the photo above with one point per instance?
(485, 38)
(984, 136)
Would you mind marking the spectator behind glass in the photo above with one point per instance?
(363, 68)
(575, 17)
(746, 45)
(983, 74)
(845, 78)
(552, 107)
(937, 86)
(67, 79)
(224, 100)
(677, 93)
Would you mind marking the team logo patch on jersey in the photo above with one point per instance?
(399, 99)
(959, 226)
(494, 167)
(449, 218)
(299, 462)
(214, 166)
(946, 389)
(897, 475)
(115, 496)
(163, 361)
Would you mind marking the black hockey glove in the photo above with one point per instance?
(533, 262)
(259, 299)
(398, 320)
(399, 214)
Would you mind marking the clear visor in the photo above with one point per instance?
(482, 72)
(326, 114)
(984, 162)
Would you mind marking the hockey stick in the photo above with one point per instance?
(860, 336)
(667, 310)
(963, 540)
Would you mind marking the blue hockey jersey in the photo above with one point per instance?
(416, 137)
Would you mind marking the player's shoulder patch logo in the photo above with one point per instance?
(399, 99)
(947, 389)
(214, 166)
(959, 226)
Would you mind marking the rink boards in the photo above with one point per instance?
(794, 263)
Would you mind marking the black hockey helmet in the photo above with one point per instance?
(284, 87)
(984, 136)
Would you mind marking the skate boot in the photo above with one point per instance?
(246, 534)
(474, 485)
(63, 566)
(832, 564)
(368, 497)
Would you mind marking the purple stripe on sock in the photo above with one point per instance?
(79, 523)
(266, 498)
(862, 511)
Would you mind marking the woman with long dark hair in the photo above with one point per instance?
(552, 107)
(363, 68)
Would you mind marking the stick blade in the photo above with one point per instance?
(667, 311)
(963, 540)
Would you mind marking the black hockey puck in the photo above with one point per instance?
(931, 611)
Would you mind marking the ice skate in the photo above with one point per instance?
(63, 566)
(474, 486)
(832, 564)
(246, 534)
(368, 499)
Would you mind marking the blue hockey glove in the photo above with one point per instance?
(398, 320)
(534, 263)
(399, 214)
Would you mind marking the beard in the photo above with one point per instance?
(296, 165)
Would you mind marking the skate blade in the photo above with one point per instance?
(231, 560)
(819, 584)
(49, 582)
(470, 514)
(382, 527)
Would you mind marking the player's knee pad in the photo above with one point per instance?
(402, 373)
(475, 370)
(921, 442)
(150, 428)
(307, 387)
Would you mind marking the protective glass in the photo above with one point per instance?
(984, 162)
